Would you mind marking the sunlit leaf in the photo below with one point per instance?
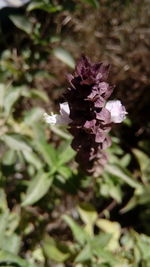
(3, 201)
(78, 232)
(2, 93)
(3, 225)
(117, 171)
(100, 241)
(85, 254)
(33, 116)
(12, 95)
(32, 158)
(37, 188)
(7, 258)
(65, 171)
(12, 243)
(55, 250)
(47, 151)
(105, 255)
(114, 229)
(22, 22)
(9, 157)
(64, 56)
(140, 197)
(39, 94)
(15, 142)
(144, 163)
(89, 215)
(66, 155)
(43, 6)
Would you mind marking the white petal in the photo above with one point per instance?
(12, 3)
(51, 119)
(117, 110)
(62, 119)
(64, 109)
(56, 119)
(65, 112)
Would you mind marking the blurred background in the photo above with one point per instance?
(50, 213)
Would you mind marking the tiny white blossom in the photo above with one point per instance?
(62, 119)
(51, 119)
(117, 110)
(64, 109)
(12, 3)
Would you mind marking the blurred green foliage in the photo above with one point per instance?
(50, 213)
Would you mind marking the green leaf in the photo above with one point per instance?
(66, 155)
(140, 197)
(11, 97)
(3, 224)
(93, 3)
(105, 255)
(9, 157)
(78, 232)
(15, 142)
(47, 152)
(3, 201)
(32, 158)
(38, 187)
(12, 243)
(85, 254)
(143, 243)
(33, 116)
(89, 215)
(120, 173)
(7, 258)
(43, 6)
(114, 229)
(13, 221)
(65, 171)
(125, 160)
(142, 158)
(22, 22)
(99, 245)
(101, 240)
(39, 94)
(109, 187)
(64, 56)
(144, 163)
(2, 93)
(54, 250)
(60, 132)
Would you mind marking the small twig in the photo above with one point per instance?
(108, 208)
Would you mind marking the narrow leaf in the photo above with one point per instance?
(55, 250)
(85, 254)
(22, 22)
(11, 97)
(15, 142)
(7, 258)
(120, 173)
(38, 187)
(66, 155)
(47, 151)
(64, 56)
(78, 232)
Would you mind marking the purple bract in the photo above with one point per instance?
(91, 121)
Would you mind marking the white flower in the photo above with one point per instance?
(117, 110)
(64, 110)
(62, 119)
(12, 3)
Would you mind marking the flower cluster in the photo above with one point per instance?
(88, 114)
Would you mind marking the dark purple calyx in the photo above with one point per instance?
(91, 121)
